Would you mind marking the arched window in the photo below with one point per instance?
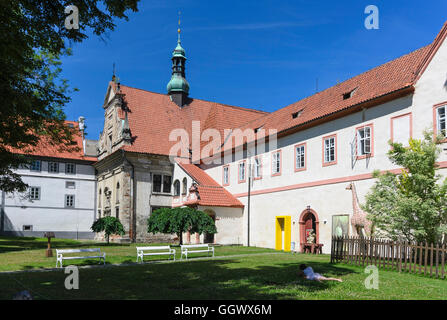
(117, 193)
(185, 186)
(100, 199)
(176, 188)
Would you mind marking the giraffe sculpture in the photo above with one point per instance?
(360, 224)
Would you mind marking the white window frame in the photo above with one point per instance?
(300, 157)
(162, 183)
(257, 168)
(362, 148)
(226, 175)
(242, 171)
(327, 149)
(34, 193)
(67, 165)
(72, 201)
(276, 163)
(441, 120)
(51, 168)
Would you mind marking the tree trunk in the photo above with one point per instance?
(180, 237)
(107, 237)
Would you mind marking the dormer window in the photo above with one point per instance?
(349, 94)
(256, 130)
(296, 114)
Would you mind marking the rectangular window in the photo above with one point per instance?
(276, 163)
(241, 171)
(300, 157)
(257, 169)
(69, 201)
(70, 168)
(161, 183)
(364, 141)
(34, 193)
(27, 228)
(70, 185)
(36, 165)
(117, 212)
(226, 175)
(167, 181)
(157, 183)
(329, 150)
(53, 167)
(440, 121)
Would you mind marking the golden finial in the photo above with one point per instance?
(179, 30)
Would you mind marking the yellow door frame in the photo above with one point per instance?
(287, 233)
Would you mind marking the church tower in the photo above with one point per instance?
(178, 87)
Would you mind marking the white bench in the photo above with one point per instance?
(160, 250)
(195, 248)
(60, 255)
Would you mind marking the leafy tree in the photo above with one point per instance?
(180, 220)
(413, 204)
(33, 39)
(108, 225)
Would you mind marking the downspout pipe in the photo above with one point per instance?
(2, 213)
(132, 226)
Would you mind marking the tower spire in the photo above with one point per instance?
(178, 87)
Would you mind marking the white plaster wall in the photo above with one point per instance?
(229, 224)
(49, 213)
(331, 198)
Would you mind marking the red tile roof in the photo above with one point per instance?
(46, 149)
(210, 192)
(379, 82)
(153, 116)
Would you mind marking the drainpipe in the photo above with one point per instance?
(2, 213)
(248, 212)
(132, 226)
(248, 201)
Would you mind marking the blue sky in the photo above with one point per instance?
(257, 54)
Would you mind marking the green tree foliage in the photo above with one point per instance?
(108, 225)
(180, 220)
(33, 39)
(410, 206)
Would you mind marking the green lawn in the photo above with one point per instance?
(29, 253)
(270, 275)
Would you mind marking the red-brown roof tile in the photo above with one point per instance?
(152, 117)
(46, 149)
(378, 82)
(210, 192)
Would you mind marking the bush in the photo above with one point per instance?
(108, 225)
(180, 220)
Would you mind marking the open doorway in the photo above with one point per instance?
(309, 227)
